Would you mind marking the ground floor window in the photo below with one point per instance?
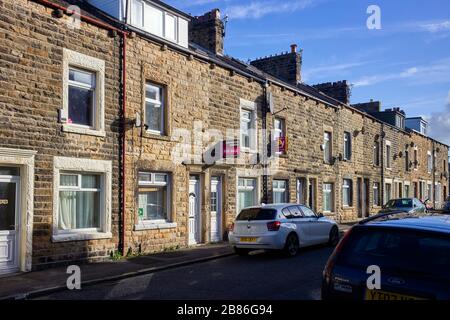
(79, 201)
(388, 192)
(246, 193)
(407, 191)
(328, 199)
(347, 193)
(280, 193)
(154, 196)
(376, 194)
(429, 192)
(301, 191)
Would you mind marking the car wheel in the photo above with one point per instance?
(241, 251)
(334, 236)
(292, 245)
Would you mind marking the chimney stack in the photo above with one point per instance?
(208, 31)
(339, 90)
(286, 66)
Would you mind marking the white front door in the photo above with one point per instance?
(216, 209)
(194, 210)
(9, 224)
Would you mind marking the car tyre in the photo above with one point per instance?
(333, 239)
(292, 245)
(241, 251)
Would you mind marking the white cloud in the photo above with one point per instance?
(436, 72)
(440, 124)
(258, 9)
(436, 27)
(326, 71)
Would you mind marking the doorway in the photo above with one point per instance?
(194, 210)
(216, 209)
(363, 198)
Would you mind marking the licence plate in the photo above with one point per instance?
(384, 295)
(251, 240)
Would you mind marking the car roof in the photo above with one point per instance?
(438, 223)
(276, 206)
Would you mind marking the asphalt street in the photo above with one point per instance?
(258, 276)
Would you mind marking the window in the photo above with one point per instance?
(388, 156)
(327, 147)
(407, 191)
(155, 109)
(246, 193)
(429, 162)
(387, 192)
(79, 201)
(406, 160)
(301, 191)
(280, 194)
(248, 126)
(429, 192)
(307, 212)
(279, 132)
(376, 153)
(154, 197)
(376, 194)
(83, 94)
(400, 122)
(328, 199)
(159, 22)
(347, 146)
(347, 193)
(445, 166)
(82, 195)
(81, 97)
(416, 159)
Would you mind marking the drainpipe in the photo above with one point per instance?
(265, 146)
(123, 34)
(382, 147)
(433, 171)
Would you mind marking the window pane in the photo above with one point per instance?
(80, 106)
(84, 77)
(7, 206)
(170, 27)
(153, 21)
(246, 199)
(161, 177)
(153, 113)
(153, 92)
(9, 171)
(136, 13)
(90, 182)
(68, 180)
(79, 210)
(153, 202)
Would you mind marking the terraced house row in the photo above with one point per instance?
(126, 128)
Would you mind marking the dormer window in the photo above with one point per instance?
(158, 21)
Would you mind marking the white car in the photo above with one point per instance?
(285, 227)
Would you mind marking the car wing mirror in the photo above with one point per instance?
(320, 215)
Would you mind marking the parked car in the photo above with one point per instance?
(412, 252)
(285, 227)
(410, 205)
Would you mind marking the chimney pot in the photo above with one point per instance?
(293, 48)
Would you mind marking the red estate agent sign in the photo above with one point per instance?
(231, 149)
(282, 144)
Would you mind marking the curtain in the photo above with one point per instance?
(87, 207)
(78, 210)
(67, 210)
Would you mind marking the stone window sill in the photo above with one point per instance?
(151, 135)
(147, 225)
(84, 131)
(67, 237)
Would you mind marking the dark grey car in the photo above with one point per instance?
(409, 205)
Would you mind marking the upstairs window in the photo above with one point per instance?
(347, 146)
(327, 147)
(155, 108)
(429, 162)
(416, 159)
(248, 127)
(388, 156)
(278, 134)
(81, 97)
(407, 161)
(376, 154)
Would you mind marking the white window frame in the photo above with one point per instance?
(251, 107)
(376, 199)
(388, 155)
(349, 188)
(162, 105)
(255, 189)
(347, 146)
(279, 189)
(79, 61)
(331, 192)
(429, 162)
(62, 166)
(167, 223)
(328, 140)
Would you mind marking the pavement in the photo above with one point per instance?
(41, 283)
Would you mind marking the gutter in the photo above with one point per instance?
(123, 34)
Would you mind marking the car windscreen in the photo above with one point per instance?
(403, 250)
(399, 203)
(257, 214)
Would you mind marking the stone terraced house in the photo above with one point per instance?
(129, 130)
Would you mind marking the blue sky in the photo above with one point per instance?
(405, 64)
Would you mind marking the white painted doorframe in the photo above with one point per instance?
(194, 210)
(216, 216)
(10, 240)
